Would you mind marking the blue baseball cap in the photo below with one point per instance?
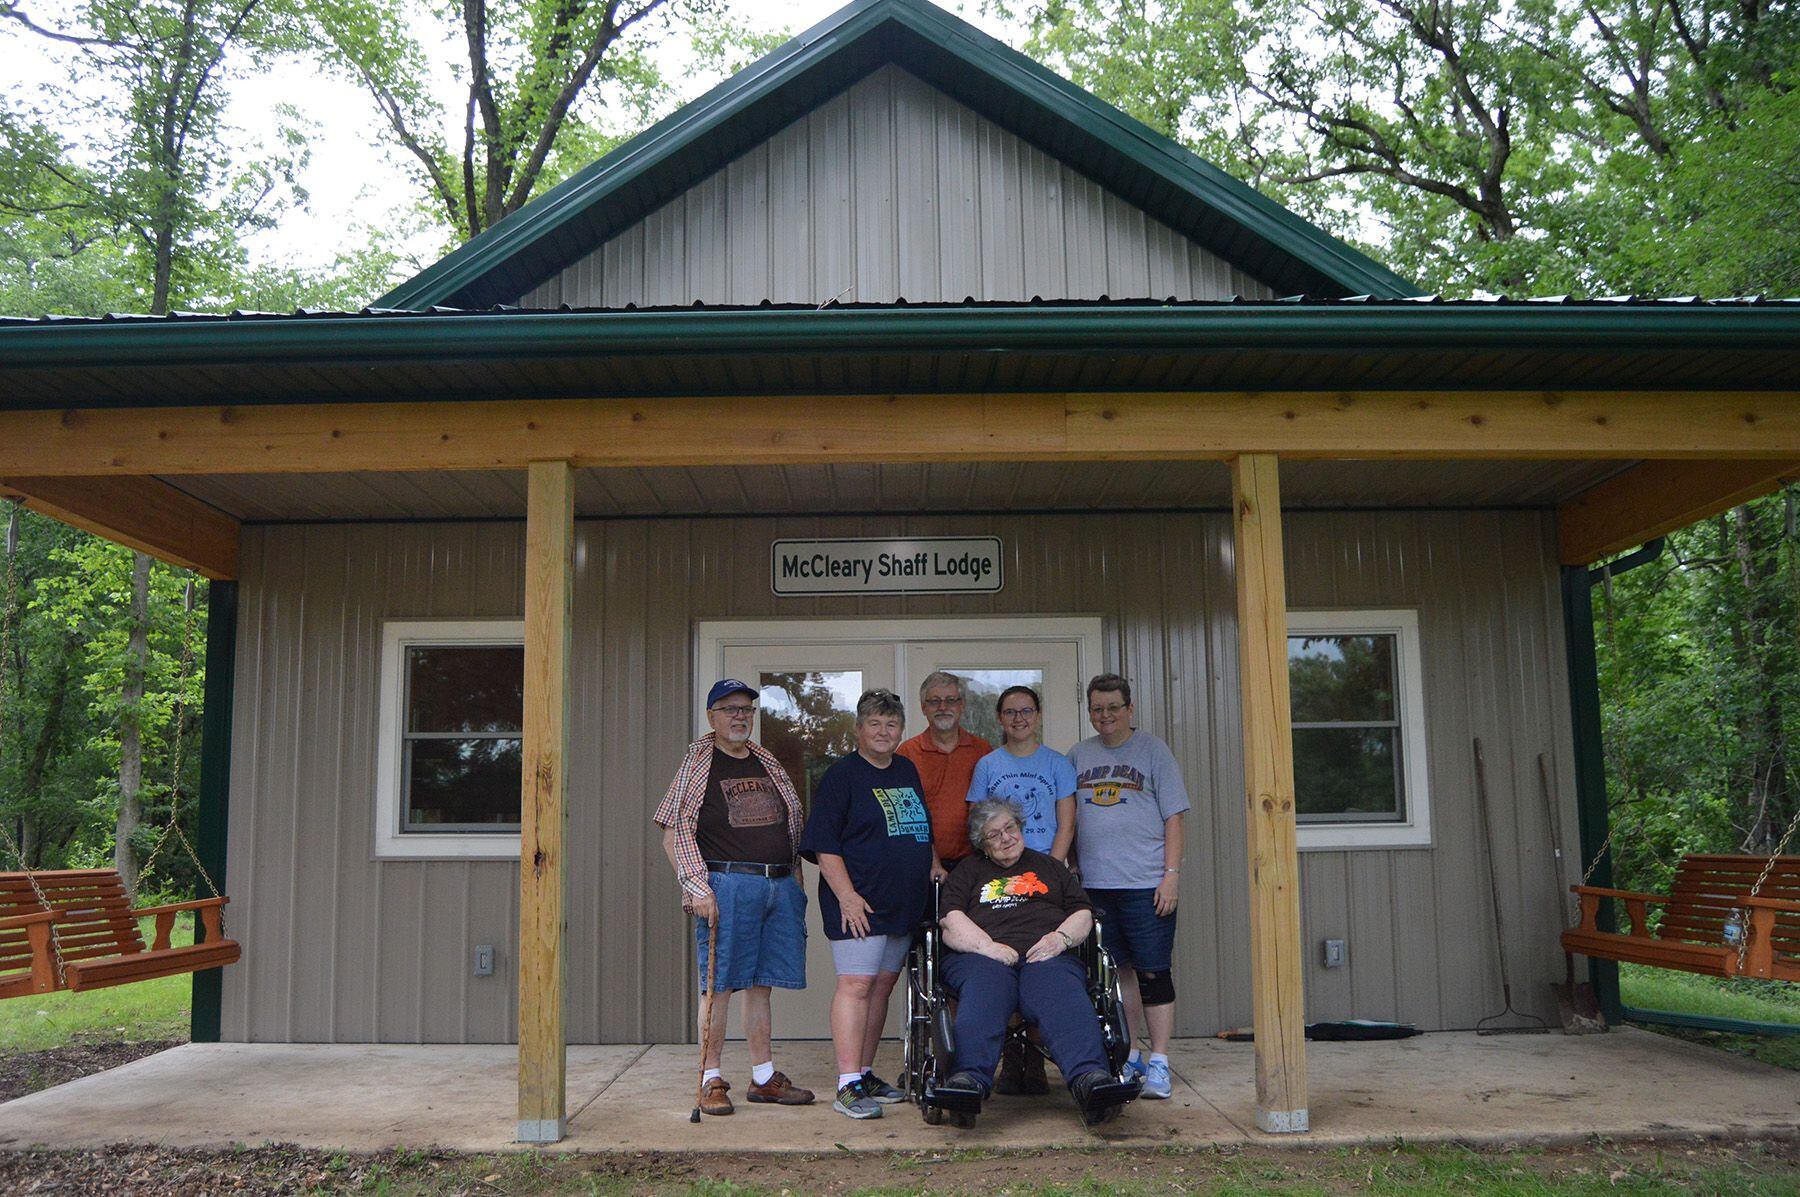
(726, 688)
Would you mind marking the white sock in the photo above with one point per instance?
(1159, 1057)
(867, 1069)
(1136, 1056)
(760, 1073)
(711, 1074)
(848, 1078)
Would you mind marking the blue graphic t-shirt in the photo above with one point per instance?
(1036, 782)
(875, 819)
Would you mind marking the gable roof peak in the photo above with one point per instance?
(1165, 179)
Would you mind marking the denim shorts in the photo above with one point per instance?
(1136, 936)
(762, 932)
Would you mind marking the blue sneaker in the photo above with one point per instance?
(1156, 1079)
(1134, 1069)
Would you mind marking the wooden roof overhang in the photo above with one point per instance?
(1684, 406)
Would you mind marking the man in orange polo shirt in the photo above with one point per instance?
(945, 754)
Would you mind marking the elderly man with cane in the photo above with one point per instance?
(731, 827)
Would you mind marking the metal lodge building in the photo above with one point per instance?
(892, 283)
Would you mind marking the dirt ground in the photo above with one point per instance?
(27, 1072)
(1730, 1169)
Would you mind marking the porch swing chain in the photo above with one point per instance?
(179, 716)
(8, 612)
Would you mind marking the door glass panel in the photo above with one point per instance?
(985, 687)
(809, 721)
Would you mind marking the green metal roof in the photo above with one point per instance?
(1330, 345)
(1120, 153)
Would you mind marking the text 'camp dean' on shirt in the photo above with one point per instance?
(875, 819)
(1123, 796)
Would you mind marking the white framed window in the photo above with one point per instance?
(1358, 701)
(452, 705)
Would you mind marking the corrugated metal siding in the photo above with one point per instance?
(891, 190)
(341, 947)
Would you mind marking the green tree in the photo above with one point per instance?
(550, 84)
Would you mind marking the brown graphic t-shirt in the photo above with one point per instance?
(1016, 906)
(742, 817)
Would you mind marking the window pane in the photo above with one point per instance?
(809, 721)
(985, 685)
(1341, 679)
(462, 785)
(465, 688)
(1347, 771)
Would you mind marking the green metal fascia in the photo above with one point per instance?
(215, 784)
(1023, 329)
(943, 49)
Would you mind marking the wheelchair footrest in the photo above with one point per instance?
(942, 1096)
(1108, 1094)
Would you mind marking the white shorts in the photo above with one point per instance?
(870, 955)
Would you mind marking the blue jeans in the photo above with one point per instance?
(1051, 993)
(1136, 936)
(762, 932)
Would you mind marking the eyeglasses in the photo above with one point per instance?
(940, 703)
(1107, 711)
(734, 712)
(1018, 713)
(1009, 831)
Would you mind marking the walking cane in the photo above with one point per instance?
(712, 973)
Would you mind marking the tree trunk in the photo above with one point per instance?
(131, 730)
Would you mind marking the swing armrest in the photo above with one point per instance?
(177, 907)
(1636, 906)
(1625, 895)
(209, 920)
(1774, 904)
(14, 921)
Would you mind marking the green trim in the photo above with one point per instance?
(215, 783)
(1071, 124)
(1590, 763)
(1708, 1022)
(271, 342)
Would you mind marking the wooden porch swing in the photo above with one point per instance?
(1725, 916)
(76, 928)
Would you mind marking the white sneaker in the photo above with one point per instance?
(1156, 1079)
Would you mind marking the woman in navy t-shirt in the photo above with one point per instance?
(871, 838)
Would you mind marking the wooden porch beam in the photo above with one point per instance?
(543, 816)
(798, 429)
(139, 513)
(1658, 497)
(1277, 996)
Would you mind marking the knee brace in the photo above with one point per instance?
(1156, 989)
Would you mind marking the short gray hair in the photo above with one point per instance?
(986, 811)
(879, 702)
(943, 677)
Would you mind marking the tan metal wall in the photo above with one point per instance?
(893, 189)
(339, 947)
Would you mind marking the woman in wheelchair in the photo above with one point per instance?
(1014, 920)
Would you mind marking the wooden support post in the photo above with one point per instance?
(1275, 951)
(543, 879)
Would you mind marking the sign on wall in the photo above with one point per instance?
(942, 565)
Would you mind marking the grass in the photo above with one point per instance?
(156, 1009)
(1684, 993)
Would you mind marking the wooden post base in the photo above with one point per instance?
(542, 1130)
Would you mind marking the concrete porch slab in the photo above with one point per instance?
(1444, 1087)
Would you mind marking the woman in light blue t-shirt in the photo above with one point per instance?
(1040, 780)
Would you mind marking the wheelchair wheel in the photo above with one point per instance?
(916, 1046)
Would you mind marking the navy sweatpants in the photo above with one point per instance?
(1051, 993)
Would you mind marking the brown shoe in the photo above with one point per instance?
(781, 1091)
(713, 1099)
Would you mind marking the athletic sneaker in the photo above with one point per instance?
(854, 1101)
(1156, 1079)
(880, 1090)
(1133, 1068)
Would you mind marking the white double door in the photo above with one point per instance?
(810, 673)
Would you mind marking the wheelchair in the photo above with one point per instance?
(930, 1034)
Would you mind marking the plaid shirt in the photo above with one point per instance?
(680, 810)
